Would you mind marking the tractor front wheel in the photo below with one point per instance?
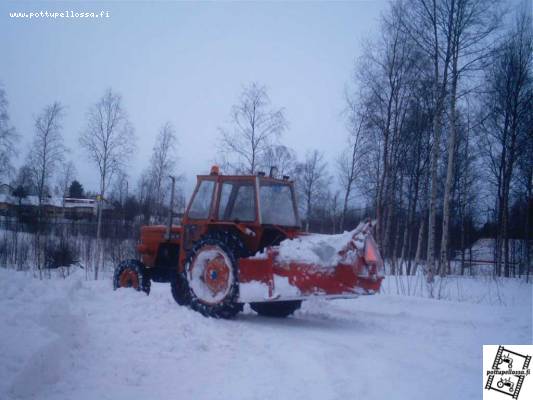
(278, 309)
(131, 274)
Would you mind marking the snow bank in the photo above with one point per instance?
(465, 289)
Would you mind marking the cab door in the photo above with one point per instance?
(198, 213)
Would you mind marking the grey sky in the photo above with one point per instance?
(185, 63)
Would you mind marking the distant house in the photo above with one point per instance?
(54, 207)
(79, 208)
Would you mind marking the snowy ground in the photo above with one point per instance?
(75, 339)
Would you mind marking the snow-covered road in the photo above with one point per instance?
(80, 340)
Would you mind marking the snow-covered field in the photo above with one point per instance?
(77, 339)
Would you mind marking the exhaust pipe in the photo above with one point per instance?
(171, 208)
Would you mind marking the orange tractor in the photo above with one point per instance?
(240, 242)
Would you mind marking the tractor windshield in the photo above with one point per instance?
(277, 205)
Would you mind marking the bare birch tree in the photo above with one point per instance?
(387, 75)
(47, 149)
(430, 24)
(109, 140)
(8, 137)
(474, 22)
(255, 127)
(349, 163)
(162, 164)
(145, 194)
(281, 157)
(312, 182)
(119, 188)
(45, 155)
(65, 177)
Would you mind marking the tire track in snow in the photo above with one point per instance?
(48, 365)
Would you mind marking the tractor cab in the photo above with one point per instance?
(248, 200)
(261, 210)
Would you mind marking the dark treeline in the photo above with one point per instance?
(440, 115)
(438, 145)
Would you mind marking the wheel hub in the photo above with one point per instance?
(216, 274)
(128, 278)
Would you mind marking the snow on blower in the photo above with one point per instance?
(240, 242)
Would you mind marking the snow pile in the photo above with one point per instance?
(319, 249)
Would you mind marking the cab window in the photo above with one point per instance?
(277, 205)
(237, 201)
(201, 203)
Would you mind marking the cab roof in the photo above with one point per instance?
(215, 174)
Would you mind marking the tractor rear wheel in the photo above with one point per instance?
(212, 275)
(131, 273)
(279, 309)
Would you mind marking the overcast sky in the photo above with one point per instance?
(185, 63)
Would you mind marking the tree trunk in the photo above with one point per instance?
(505, 230)
(462, 245)
(450, 172)
(527, 236)
(407, 229)
(98, 241)
(440, 94)
(99, 248)
(418, 255)
(430, 256)
(345, 207)
(397, 230)
(308, 213)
